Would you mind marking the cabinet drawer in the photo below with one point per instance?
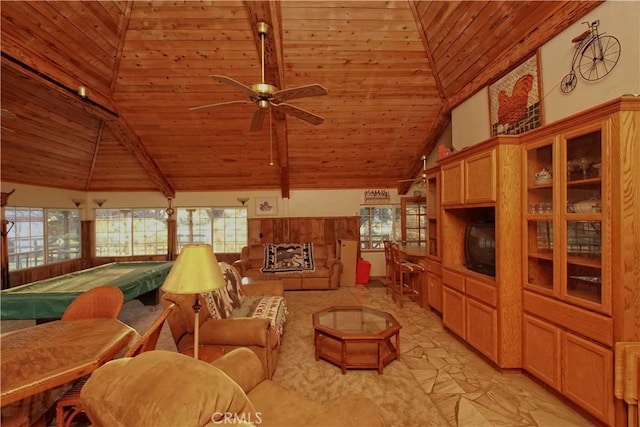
(482, 328)
(453, 280)
(453, 311)
(592, 325)
(481, 291)
(434, 267)
(541, 348)
(587, 376)
(479, 177)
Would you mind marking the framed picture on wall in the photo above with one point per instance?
(515, 105)
(266, 206)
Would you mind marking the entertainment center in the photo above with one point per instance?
(480, 185)
(560, 205)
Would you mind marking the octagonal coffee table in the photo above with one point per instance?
(355, 337)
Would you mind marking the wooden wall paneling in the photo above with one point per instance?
(303, 229)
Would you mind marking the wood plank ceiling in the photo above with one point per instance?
(394, 70)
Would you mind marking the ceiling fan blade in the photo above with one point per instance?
(258, 119)
(300, 113)
(300, 92)
(220, 104)
(229, 81)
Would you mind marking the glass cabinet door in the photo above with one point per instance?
(539, 230)
(433, 215)
(414, 229)
(582, 218)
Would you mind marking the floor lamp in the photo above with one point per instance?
(195, 271)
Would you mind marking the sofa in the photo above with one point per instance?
(237, 315)
(164, 388)
(325, 273)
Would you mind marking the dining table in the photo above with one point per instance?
(41, 357)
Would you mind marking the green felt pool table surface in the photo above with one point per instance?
(47, 299)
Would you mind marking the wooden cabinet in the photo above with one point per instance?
(414, 221)
(433, 212)
(581, 251)
(566, 217)
(482, 327)
(434, 246)
(434, 285)
(452, 183)
(578, 368)
(470, 180)
(587, 376)
(480, 177)
(541, 353)
(453, 311)
(484, 310)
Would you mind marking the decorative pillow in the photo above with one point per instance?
(234, 287)
(215, 304)
(221, 302)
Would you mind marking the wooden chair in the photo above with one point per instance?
(100, 302)
(388, 260)
(68, 407)
(405, 275)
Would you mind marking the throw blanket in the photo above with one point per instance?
(269, 307)
(288, 258)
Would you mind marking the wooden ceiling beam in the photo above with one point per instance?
(87, 104)
(270, 13)
(41, 66)
(125, 134)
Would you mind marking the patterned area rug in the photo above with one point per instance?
(400, 396)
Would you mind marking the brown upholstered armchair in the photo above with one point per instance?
(239, 329)
(169, 389)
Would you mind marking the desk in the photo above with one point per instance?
(45, 356)
(47, 299)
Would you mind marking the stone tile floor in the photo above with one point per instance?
(467, 389)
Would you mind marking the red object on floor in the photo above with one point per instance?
(363, 269)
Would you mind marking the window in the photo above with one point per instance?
(225, 229)
(128, 232)
(34, 241)
(378, 223)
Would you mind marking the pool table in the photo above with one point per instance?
(47, 299)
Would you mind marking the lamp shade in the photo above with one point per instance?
(195, 271)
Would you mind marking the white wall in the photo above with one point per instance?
(471, 122)
(621, 19)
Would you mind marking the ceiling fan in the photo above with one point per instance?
(419, 179)
(265, 95)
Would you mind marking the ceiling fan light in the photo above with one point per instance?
(263, 104)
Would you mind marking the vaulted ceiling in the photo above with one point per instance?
(394, 70)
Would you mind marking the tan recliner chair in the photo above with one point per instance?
(256, 334)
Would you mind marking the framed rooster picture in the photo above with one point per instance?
(515, 106)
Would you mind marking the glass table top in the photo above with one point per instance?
(355, 320)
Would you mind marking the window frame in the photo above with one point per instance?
(369, 245)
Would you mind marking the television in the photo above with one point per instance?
(480, 247)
